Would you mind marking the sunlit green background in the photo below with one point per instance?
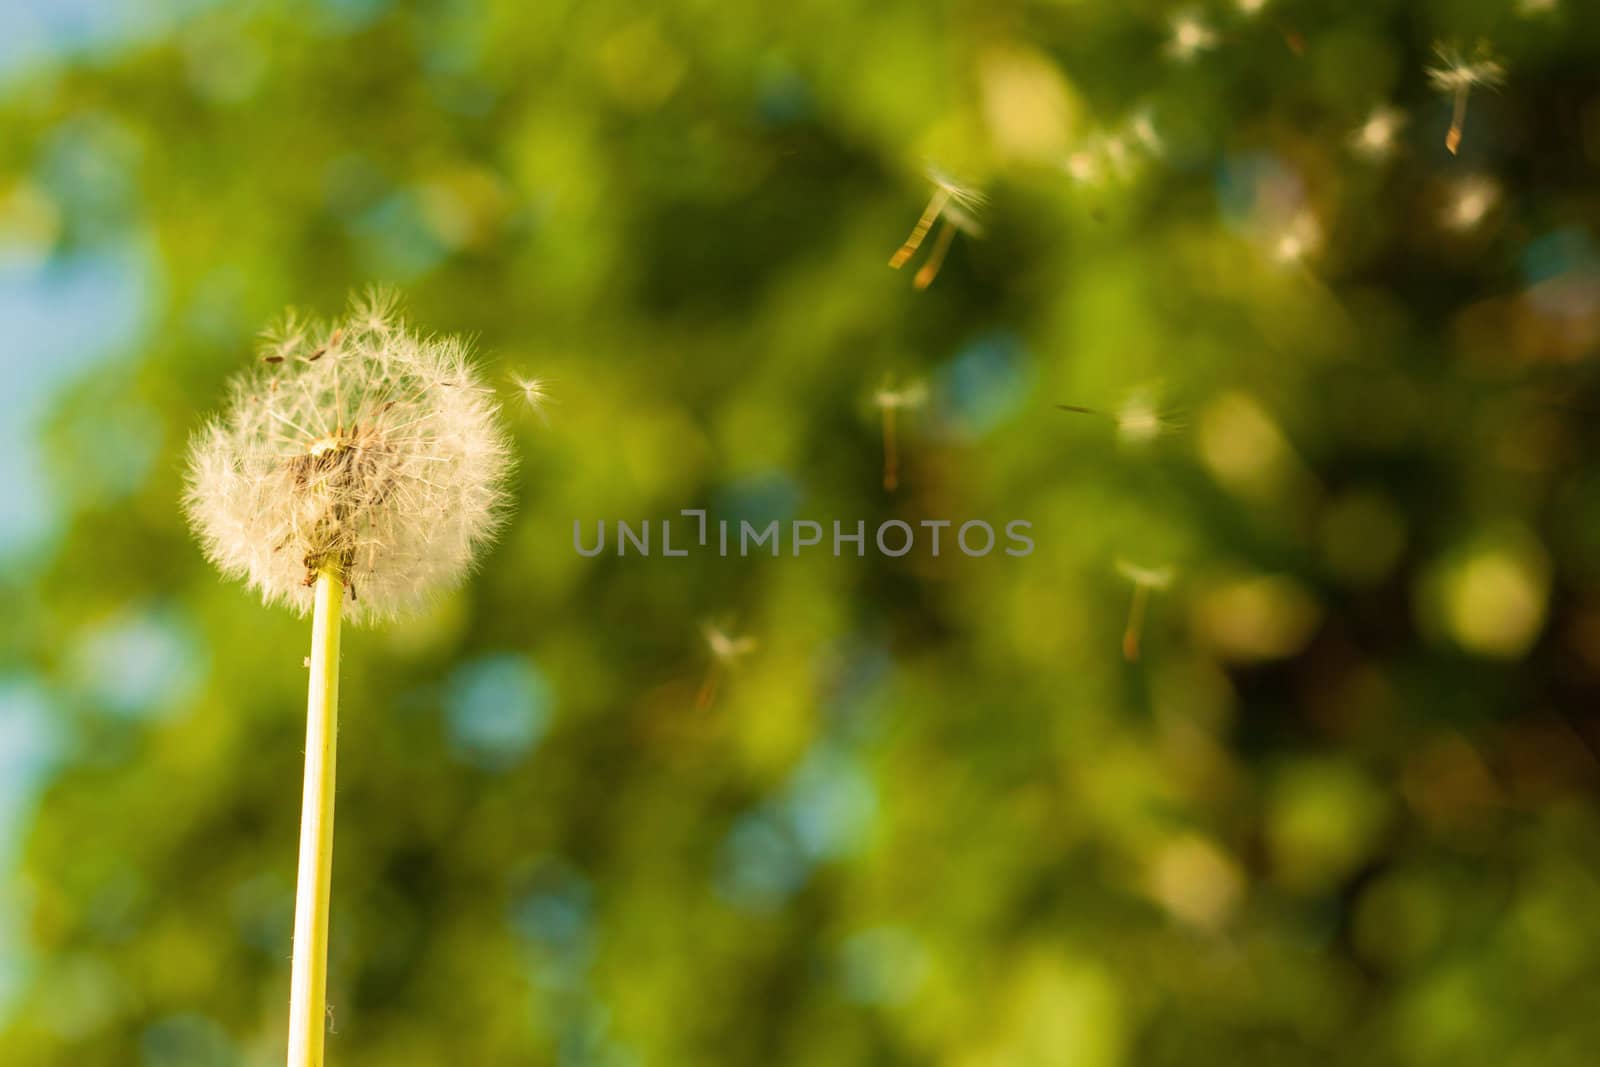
(1341, 810)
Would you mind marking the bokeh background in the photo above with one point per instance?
(1341, 810)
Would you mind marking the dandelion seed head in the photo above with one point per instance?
(911, 395)
(963, 194)
(724, 647)
(364, 447)
(1138, 419)
(535, 392)
(1148, 577)
(1454, 72)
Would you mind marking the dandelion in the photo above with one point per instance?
(1471, 200)
(1188, 36)
(1375, 138)
(726, 652)
(1144, 580)
(1455, 74)
(360, 458)
(535, 393)
(955, 207)
(889, 401)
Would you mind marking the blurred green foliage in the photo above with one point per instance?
(1341, 810)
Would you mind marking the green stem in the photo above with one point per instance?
(309, 976)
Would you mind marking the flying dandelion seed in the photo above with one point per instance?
(1144, 579)
(890, 401)
(953, 206)
(1137, 419)
(1301, 237)
(726, 652)
(1470, 202)
(1188, 36)
(365, 448)
(1457, 75)
(1118, 156)
(1144, 132)
(535, 393)
(1084, 167)
(1375, 138)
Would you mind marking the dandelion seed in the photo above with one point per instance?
(1117, 155)
(1144, 579)
(889, 401)
(1297, 240)
(1188, 36)
(953, 207)
(535, 393)
(1144, 132)
(1137, 419)
(1455, 74)
(383, 461)
(726, 652)
(1084, 167)
(1470, 202)
(1375, 138)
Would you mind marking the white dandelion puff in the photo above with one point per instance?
(1456, 74)
(364, 449)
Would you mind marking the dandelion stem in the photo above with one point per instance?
(708, 688)
(309, 981)
(1452, 139)
(1130, 635)
(941, 245)
(891, 452)
(920, 230)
